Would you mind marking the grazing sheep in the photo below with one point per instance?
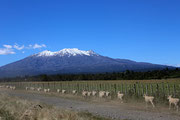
(27, 88)
(48, 90)
(89, 93)
(74, 92)
(32, 88)
(63, 91)
(39, 89)
(107, 94)
(149, 99)
(58, 90)
(13, 88)
(94, 93)
(101, 94)
(120, 96)
(174, 101)
(84, 93)
(45, 90)
(7, 86)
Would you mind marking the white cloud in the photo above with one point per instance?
(6, 51)
(10, 49)
(8, 46)
(16, 46)
(37, 46)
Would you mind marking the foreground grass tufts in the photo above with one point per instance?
(13, 108)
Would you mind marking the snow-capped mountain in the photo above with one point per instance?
(71, 61)
(66, 52)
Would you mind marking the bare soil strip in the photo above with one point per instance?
(121, 111)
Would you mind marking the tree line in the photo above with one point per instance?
(127, 75)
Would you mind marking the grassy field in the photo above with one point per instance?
(13, 108)
(131, 88)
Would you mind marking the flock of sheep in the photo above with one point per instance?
(102, 94)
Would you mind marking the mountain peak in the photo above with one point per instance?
(66, 52)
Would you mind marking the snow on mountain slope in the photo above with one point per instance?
(66, 52)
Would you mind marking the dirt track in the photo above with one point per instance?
(121, 111)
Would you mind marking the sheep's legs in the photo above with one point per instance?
(146, 104)
(177, 107)
(152, 104)
(169, 106)
(121, 101)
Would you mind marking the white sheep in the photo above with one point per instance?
(149, 99)
(84, 93)
(39, 89)
(107, 94)
(14, 87)
(11, 87)
(58, 90)
(45, 90)
(48, 90)
(174, 101)
(101, 94)
(63, 91)
(74, 92)
(120, 96)
(32, 88)
(94, 93)
(27, 88)
(89, 93)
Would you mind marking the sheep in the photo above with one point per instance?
(94, 93)
(7, 86)
(107, 94)
(149, 99)
(84, 93)
(48, 90)
(63, 91)
(101, 94)
(13, 88)
(120, 96)
(39, 89)
(58, 90)
(89, 93)
(174, 101)
(27, 88)
(32, 88)
(74, 92)
(45, 90)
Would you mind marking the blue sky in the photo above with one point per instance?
(140, 30)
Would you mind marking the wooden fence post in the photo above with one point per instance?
(168, 87)
(147, 89)
(125, 88)
(174, 90)
(151, 89)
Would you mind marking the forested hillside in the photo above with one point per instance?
(128, 75)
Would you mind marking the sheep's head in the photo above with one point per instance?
(169, 97)
(144, 95)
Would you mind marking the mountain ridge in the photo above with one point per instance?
(72, 60)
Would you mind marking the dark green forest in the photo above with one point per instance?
(127, 75)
